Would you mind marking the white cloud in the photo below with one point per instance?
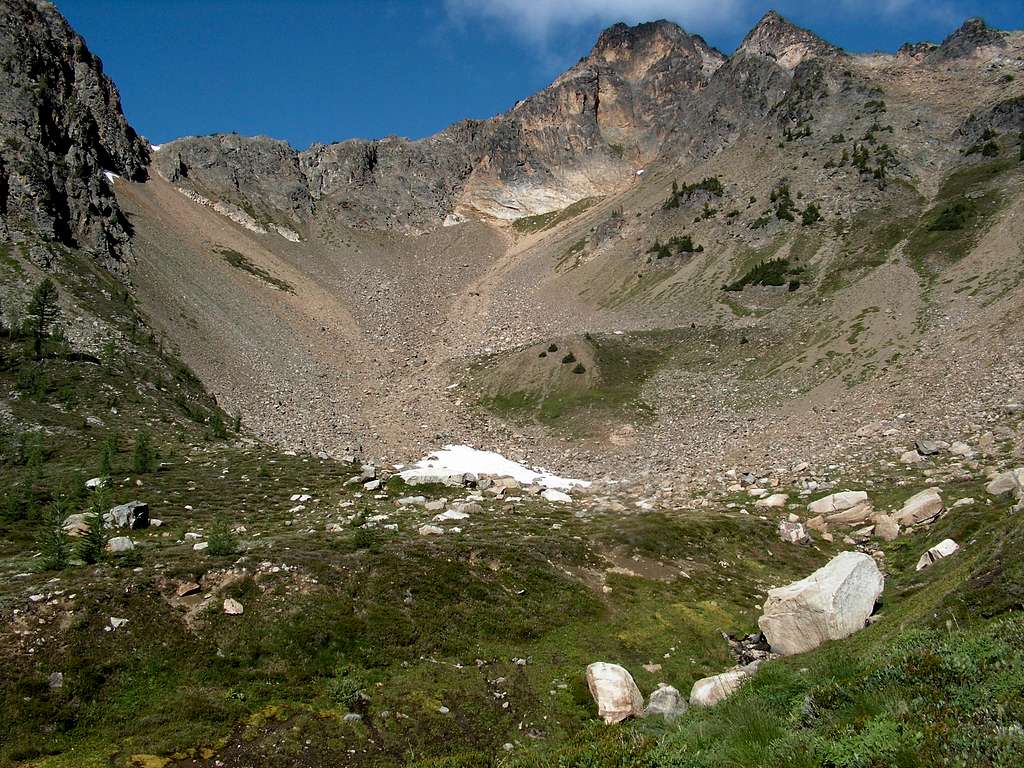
(537, 19)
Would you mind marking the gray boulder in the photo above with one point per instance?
(665, 701)
(708, 691)
(133, 515)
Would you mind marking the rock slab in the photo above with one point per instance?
(830, 604)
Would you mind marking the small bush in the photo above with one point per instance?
(810, 215)
(93, 545)
(54, 542)
(144, 456)
(951, 218)
(579, 368)
(569, 358)
(221, 540)
(217, 427)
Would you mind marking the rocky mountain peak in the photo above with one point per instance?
(634, 50)
(973, 34)
(776, 38)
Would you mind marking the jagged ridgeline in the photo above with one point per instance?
(759, 313)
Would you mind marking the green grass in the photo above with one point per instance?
(239, 261)
(623, 365)
(541, 221)
(966, 203)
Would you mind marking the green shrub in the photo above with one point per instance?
(54, 542)
(217, 427)
(951, 218)
(579, 368)
(772, 272)
(144, 456)
(569, 358)
(221, 541)
(811, 215)
(712, 185)
(93, 545)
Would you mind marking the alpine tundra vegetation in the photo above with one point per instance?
(673, 417)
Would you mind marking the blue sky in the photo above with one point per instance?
(328, 70)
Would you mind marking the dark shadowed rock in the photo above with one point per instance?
(61, 128)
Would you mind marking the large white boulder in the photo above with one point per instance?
(708, 691)
(614, 691)
(832, 603)
(944, 548)
(920, 508)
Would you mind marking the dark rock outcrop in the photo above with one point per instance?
(61, 128)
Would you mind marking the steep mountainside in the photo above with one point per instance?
(61, 131)
(878, 192)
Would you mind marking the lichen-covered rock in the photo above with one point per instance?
(665, 701)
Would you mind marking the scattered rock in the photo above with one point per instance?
(921, 508)
(1007, 482)
(614, 691)
(77, 525)
(930, 447)
(665, 701)
(55, 680)
(133, 515)
(187, 588)
(708, 691)
(911, 457)
(886, 528)
(558, 496)
(832, 603)
(793, 533)
(838, 502)
(232, 607)
(120, 544)
(430, 530)
(774, 501)
(451, 514)
(943, 549)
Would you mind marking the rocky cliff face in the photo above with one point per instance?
(586, 134)
(61, 129)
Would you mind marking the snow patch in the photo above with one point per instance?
(111, 176)
(156, 147)
(462, 458)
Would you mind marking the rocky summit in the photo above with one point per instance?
(674, 416)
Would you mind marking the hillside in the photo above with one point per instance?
(759, 313)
